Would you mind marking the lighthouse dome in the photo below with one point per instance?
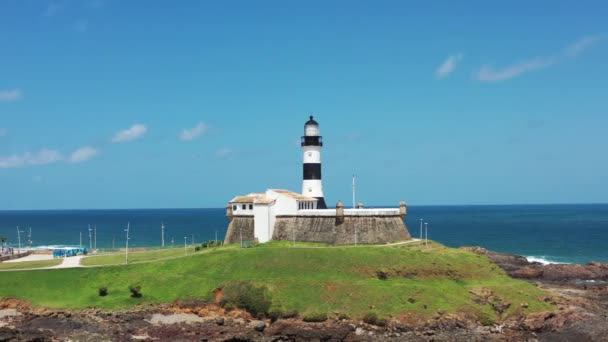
(311, 122)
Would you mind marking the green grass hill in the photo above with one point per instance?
(353, 281)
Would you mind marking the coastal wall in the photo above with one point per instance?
(335, 230)
(14, 256)
(237, 225)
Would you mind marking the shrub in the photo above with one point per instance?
(197, 248)
(315, 317)
(135, 291)
(342, 316)
(245, 295)
(485, 319)
(289, 314)
(103, 291)
(373, 319)
(382, 275)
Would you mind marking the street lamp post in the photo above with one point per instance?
(127, 243)
(90, 239)
(426, 233)
(19, 239)
(185, 245)
(162, 234)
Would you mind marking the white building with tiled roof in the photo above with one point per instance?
(265, 207)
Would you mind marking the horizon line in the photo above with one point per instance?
(371, 206)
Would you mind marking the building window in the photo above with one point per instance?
(234, 207)
(244, 206)
(251, 207)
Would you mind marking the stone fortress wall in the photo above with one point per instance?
(332, 226)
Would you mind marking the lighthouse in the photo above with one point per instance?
(311, 147)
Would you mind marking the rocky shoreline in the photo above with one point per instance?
(579, 292)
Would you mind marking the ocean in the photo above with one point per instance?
(576, 233)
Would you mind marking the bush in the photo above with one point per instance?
(289, 314)
(211, 243)
(342, 316)
(315, 317)
(372, 318)
(103, 291)
(485, 319)
(382, 275)
(197, 248)
(135, 291)
(245, 295)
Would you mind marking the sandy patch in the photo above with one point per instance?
(175, 318)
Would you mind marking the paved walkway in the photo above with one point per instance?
(33, 257)
(69, 262)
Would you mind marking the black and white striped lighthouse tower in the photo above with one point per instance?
(311, 146)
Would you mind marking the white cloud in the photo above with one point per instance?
(224, 153)
(578, 47)
(3, 132)
(82, 154)
(194, 132)
(42, 157)
(489, 74)
(129, 134)
(10, 95)
(448, 65)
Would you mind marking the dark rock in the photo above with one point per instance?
(219, 320)
(259, 325)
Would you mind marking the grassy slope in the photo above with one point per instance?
(306, 279)
(119, 258)
(29, 264)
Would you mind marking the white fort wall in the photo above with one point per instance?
(262, 221)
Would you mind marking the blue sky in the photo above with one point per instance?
(146, 104)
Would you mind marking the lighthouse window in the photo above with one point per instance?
(251, 207)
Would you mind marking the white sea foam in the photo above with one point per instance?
(543, 260)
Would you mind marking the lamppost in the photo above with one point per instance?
(185, 245)
(127, 243)
(426, 233)
(162, 234)
(19, 239)
(90, 239)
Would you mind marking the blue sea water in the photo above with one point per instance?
(550, 233)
